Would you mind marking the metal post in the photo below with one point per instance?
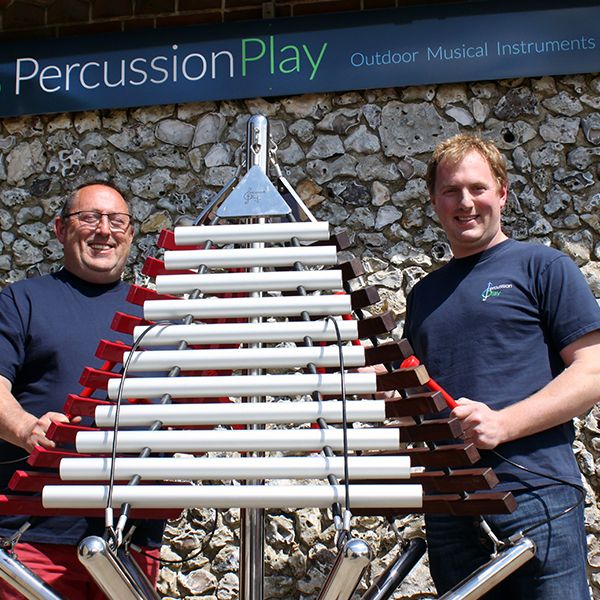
(387, 583)
(252, 538)
(108, 572)
(352, 560)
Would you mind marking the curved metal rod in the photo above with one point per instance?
(389, 580)
(20, 577)
(490, 574)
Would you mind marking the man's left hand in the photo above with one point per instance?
(482, 426)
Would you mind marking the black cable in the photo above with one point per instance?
(558, 480)
(344, 411)
(118, 403)
(16, 460)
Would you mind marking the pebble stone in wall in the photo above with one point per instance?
(358, 160)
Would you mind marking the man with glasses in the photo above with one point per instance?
(50, 327)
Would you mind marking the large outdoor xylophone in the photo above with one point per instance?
(248, 364)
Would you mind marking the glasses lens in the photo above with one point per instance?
(89, 217)
(117, 221)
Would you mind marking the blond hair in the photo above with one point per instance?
(454, 149)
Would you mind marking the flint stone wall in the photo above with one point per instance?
(358, 160)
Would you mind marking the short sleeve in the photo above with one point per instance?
(12, 334)
(568, 309)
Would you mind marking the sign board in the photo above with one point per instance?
(348, 51)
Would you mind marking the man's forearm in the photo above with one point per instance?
(571, 393)
(14, 421)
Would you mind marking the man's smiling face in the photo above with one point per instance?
(95, 253)
(468, 201)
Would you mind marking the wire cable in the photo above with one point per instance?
(16, 460)
(118, 403)
(344, 411)
(558, 480)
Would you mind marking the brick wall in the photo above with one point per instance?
(34, 19)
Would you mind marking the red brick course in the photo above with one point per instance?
(33, 19)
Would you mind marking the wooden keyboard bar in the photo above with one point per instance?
(457, 481)
(138, 295)
(416, 404)
(455, 455)
(374, 326)
(64, 433)
(497, 503)
(432, 430)
(351, 269)
(154, 266)
(32, 507)
(111, 351)
(339, 239)
(402, 378)
(364, 297)
(454, 482)
(124, 323)
(386, 353)
(96, 378)
(50, 459)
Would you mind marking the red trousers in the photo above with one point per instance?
(59, 567)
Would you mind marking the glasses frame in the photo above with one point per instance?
(99, 216)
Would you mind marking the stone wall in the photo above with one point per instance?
(358, 159)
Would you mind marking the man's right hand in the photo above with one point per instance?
(33, 432)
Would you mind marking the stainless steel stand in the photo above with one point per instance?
(14, 572)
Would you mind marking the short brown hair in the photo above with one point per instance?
(72, 196)
(454, 149)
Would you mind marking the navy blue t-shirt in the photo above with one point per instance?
(490, 327)
(50, 327)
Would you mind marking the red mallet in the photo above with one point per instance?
(413, 361)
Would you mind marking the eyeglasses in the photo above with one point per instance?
(91, 218)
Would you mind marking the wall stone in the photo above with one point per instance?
(358, 160)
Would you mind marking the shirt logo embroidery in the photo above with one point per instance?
(492, 291)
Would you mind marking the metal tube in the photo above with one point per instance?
(238, 467)
(252, 553)
(259, 385)
(245, 358)
(347, 571)
(389, 580)
(217, 283)
(234, 413)
(270, 306)
(482, 580)
(227, 496)
(257, 142)
(107, 571)
(135, 572)
(252, 232)
(368, 438)
(238, 258)
(16, 574)
(247, 333)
